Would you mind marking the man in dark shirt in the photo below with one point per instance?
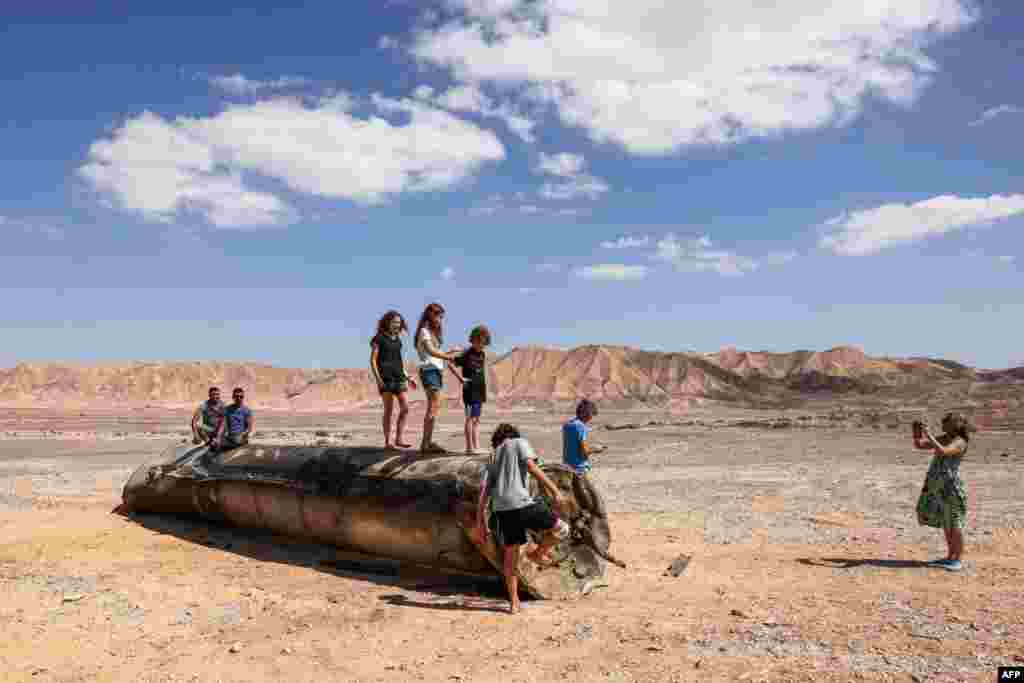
(473, 362)
(207, 418)
(237, 424)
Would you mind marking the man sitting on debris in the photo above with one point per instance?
(576, 450)
(207, 418)
(516, 511)
(237, 424)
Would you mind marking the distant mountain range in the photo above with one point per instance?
(537, 376)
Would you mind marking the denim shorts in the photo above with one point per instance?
(473, 409)
(432, 379)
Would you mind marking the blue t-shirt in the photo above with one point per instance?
(236, 417)
(574, 433)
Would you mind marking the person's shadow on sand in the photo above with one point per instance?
(851, 563)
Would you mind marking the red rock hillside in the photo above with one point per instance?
(618, 376)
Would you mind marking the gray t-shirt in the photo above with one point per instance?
(507, 475)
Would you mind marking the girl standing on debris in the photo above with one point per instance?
(388, 371)
(429, 338)
(943, 500)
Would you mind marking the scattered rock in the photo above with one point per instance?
(737, 613)
(287, 650)
(678, 565)
(73, 597)
(321, 432)
(584, 631)
(235, 648)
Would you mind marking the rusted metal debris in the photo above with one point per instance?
(411, 507)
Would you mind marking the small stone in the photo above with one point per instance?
(73, 597)
(287, 650)
(235, 649)
(737, 613)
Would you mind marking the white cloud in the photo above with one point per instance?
(448, 273)
(612, 271)
(237, 84)
(1007, 258)
(527, 290)
(585, 186)
(992, 113)
(627, 242)
(564, 164)
(697, 255)
(159, 167)
(654, 76)
(470, 98)
(573, 183)
(871, 230)
(549, 268)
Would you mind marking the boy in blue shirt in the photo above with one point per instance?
(576, 451)
(237, 424)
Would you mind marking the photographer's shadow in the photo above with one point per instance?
(853, 563)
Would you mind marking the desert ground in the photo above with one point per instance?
(806, 564)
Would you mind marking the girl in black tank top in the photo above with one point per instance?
(388, 371)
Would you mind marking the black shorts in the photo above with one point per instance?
(513, 524)
(393, 385)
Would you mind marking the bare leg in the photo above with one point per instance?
(403, 414)
(949, 543)
(539, 555)
(509, 567)
(956, 543)
(475, 432)
(468, 431)
(433, 404)
(389, 403)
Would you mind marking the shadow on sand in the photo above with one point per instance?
(851, 563)
(449, 590)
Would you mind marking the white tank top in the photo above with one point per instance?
(426, 360)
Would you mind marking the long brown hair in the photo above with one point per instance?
(430, 321)
(385, 322)
(958, 425)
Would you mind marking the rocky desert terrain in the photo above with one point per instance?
(780, 488)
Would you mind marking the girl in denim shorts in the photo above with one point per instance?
(429, 338)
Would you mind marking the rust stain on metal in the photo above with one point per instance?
(407, 506)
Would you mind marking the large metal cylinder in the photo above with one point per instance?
(402, 505)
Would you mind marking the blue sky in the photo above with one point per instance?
(254, 182)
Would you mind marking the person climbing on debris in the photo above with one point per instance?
(515, 510)
(943, 500)
(207, 418)
(576, 450)
(237, 425)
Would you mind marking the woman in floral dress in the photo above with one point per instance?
(943, 500)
